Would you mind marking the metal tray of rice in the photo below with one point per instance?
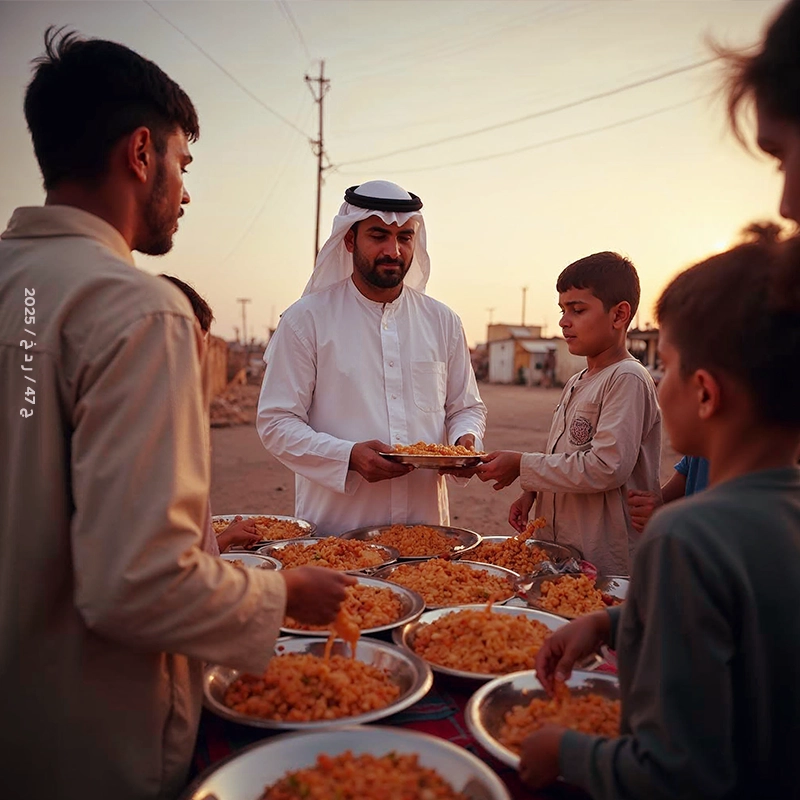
(253, 560)
(271, 527)
(419, 541)
(468, 643)
(572, 595)
(409, 605)
(444, 583)
(405, 670)
(519, 555)
(246, 774)
(486, 710)
(326, 552)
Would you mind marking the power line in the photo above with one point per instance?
(536, 114)
(286, 9)
(225, 71)
(547, 142)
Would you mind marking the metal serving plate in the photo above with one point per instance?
(406, 669)
(558, 552)
(413, 606)
(501, 572)
(254, 560)
(274, 551)
(244, 775)
(433, 462)
(404, 637)
(465, 540)
(533, 589)
(308, 527)
(488, 706)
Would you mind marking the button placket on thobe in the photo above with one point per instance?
(393, 386)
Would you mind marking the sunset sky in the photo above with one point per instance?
(662, 182)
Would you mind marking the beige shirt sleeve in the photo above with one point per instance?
(610, 459)
(140, 466)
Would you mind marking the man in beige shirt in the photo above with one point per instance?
(107, 604)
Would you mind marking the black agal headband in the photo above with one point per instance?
(381, 203)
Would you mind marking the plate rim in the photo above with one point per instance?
(453, 554)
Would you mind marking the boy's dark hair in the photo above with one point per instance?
(609, 276)
(771, 75)
(87, 94)
(739, 313)
(202, 310)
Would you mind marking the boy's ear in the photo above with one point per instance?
(709, 394)
(621, 315)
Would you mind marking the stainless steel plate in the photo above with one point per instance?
(413, 606)
(406, 669)
(390, 555)
(245, 775)
(254, 560)
(500, 572)
(533, 590)
(308, 527)
(488, 706)
(433, 462)
(614, 585)
(558, 553)
(464, 540)
(405, 636)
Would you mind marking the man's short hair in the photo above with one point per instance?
(86, 94)
(202, 310)
(771, 75)
(739, 313)
(609, 276)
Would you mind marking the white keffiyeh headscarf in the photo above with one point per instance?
(334, 263)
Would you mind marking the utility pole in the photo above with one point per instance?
(524, 292)
(244, 301)
(318, 145)
(491, 314)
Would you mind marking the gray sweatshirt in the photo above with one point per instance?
(708, 646)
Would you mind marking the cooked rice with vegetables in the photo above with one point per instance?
(331, 552)
(570, 596)
(417, 540)
(369, 606)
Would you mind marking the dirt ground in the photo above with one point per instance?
(246, 479)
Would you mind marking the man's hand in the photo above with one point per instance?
(468, 441)
(538, 761)
(315, 594)
(240, 533)
(520, 511)
(641, 506)
(502, 466)
(364, 459)
(579, 639)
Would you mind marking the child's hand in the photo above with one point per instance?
(641, 506)
(578, 639)
(240, 533)
(538, 761)
(502, 466)
(520, 511)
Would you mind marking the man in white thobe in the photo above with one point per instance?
(365, 360)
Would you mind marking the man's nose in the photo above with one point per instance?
(185, 198)
(789, 210)
(391, 248)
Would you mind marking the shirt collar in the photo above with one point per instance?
(36, 222)
(394, 305)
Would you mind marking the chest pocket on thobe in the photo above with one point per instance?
(582, 425)
(428, 380)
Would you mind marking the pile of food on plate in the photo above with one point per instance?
(416, 540)
(483, 641)
(300, 687)
(587, 713)
(448, 583)
(513, 554)
(426, 449)
(367, 606)
(331, 552)
(268, 528)
(572, 596)
(368, 777)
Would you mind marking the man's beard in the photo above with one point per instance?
(369, 270)
(158, 220)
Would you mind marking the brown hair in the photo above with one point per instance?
(202, 310)
(86, 94)
(739, 313)
(771, 75)
(609, 276)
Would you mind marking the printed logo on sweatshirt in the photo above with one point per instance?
(580, 431)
